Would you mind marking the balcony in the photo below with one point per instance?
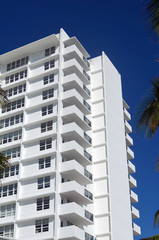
(72, 81)
(72, 66)
(72, 150)
(74, 171)
(129, 140)
(133, 197)
(73, 114)
(127, 115)
(136, 229)
(131, 167)
(86, 75)
(76, 214)
(72, 131)
(71, 233)
(73, 52)
(130, 153)
(128, 128)
(86, 62)
(76, 193)
(134, 212)
(72, 97)
(132, 182)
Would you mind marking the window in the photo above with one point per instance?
(44, 162)
(48, 94)
(42, 203)
(47, 110)
(11, 171)
(10, 137)
(45, 144)
(7, 210)
(48, 79)
(15, 77)
(47, 126)
(8, 190)
(16, 90)
(7, 230)
(49, 51)
(12, 153)
(42, 225)
(44, 182)
(13, 105)
(48, 65)
(17, 63)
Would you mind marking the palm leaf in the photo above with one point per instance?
(147, 114)
(3, 97)
(151, 11)
(156, 219)
(156, 237)
(4, 164)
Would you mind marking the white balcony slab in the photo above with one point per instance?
(74, 192)
(73, 114)
(72, 131)
(74, 213)
(72, 170)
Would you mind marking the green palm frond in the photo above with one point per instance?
(156, 237)
(147, 114)
(4, 164)
(3, 97)
(151, 12)
(156, 219)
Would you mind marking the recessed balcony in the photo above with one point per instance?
(72, 170)
(128, 128)
(136, 229)
(133, 197)
(76, 193)
(72, 150)
(71, 233)
(129, 140)
(72, 66)
(72, 97)
(73, 52)
(132, 182)
(72, 81)
(134, 212)
(131, 167)
(75, 214)
(72, 131)
(73, 114)
(130, 153)
(127, 115)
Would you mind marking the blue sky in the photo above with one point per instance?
(118, 28)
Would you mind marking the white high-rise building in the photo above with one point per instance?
(66, 133)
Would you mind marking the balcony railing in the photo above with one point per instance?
(88, 174)
(88, 194)
(88, 237)
(87, 155)
(89, 215)
(87, 121)
(86, 75)
(86, 90)
(89, 139)
(86, 61)
(87, 105)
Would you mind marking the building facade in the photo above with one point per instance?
(66, 133)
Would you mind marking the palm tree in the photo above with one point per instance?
(4, 161)
(151, 12)
(148, 110)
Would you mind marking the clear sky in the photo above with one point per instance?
(116, 27)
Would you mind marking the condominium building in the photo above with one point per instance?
(66, 133)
